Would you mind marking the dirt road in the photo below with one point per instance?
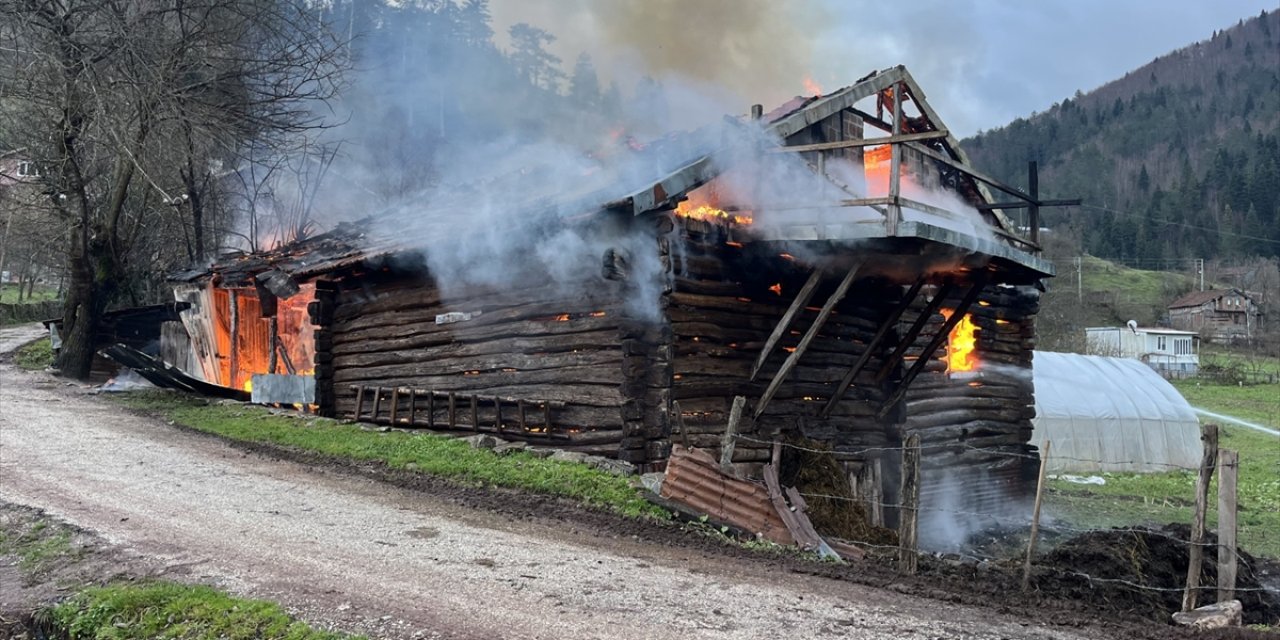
(363, 556)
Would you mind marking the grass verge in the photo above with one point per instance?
(34, 356)
(37, 547)
(1159, 498)
(171, 610)
(436, 455)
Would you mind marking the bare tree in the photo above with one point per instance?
(120, 101)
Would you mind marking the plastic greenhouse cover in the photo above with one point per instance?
(1111, 414)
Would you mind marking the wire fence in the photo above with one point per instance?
(1072, 511)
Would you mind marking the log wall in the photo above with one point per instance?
(549, 347)
(722, 311)
(975, 427)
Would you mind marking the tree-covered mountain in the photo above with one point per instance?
(1178, 159)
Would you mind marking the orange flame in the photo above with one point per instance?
(962, 344)
(776, 288)
(811, 87)
(708, 213)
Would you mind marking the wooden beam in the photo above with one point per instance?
(730, 439)
(916, 327)
(801, 299)
(957, 315)
(1228, 465)
(862, 142)
(1070, 202)
(1208, 435)
(969, 171)
(894, 213)
(809, 335)
(1033, 212)
(879, 336)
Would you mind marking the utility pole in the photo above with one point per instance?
(1200, 270)
(1079, 278)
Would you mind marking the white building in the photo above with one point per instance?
(1171, 352)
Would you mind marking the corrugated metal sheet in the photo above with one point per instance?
(694, 478)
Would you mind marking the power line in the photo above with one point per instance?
(1187, 225)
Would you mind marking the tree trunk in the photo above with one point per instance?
(93, 280)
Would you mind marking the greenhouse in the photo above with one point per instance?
(1105, 414)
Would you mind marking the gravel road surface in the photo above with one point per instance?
(362, 556)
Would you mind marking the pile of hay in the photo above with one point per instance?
(811, 468)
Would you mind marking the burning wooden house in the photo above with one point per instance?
(833, 271)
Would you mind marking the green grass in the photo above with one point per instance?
(1130, 293)
(436, 455)
(37, 547)
(9, 294)
(34, 356)
(176, 611)
(1256, 403)
(1160, 498)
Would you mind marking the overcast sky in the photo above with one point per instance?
(981, 62)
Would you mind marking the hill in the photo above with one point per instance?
(1178, 159)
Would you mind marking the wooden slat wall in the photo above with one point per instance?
(975, 431)
(722, 314)
(539, 344)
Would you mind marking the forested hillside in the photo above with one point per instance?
(1178, 159)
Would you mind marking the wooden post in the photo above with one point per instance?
(894, 210)
(273, 327)
(909, 509)
(431, 409)
(395, 403)
(413, 406)
(1035, 517)
(1033, 211)
(475, 413)
(1208, 435)
(731, 431)
(1228, 467)
(377, 403)
(497, 413)
(684, 431)
(520, 412)
(233, 364)
(453, 410)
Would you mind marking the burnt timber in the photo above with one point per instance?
(830, 326)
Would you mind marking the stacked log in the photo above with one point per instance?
(546, 345)
(645, 338)
(724, 306)
(975, 427)
(321, 312)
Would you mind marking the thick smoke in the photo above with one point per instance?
(748, 50)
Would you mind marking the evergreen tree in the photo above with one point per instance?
(532, 61)
(584, 86)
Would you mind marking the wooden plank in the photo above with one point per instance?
(863, 142)
(524, 426)
(894, 212)
(497, 414)
(475, 413)
(731, 431)
(925, 317)
(801, 299)
(809, 335)
(943, 334)
(377, 402)
(867, 353)
(909, 510)
(1228, 562)
(1035, 517)
(395, 403)
(413, 407)
(431, 409)
(453, 410)
(359, 403)
(1208, 435)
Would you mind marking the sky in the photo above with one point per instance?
(982, 63)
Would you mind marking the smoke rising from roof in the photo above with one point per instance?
(753, 50)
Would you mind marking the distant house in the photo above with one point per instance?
(1170, 352)
(1217, 315)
